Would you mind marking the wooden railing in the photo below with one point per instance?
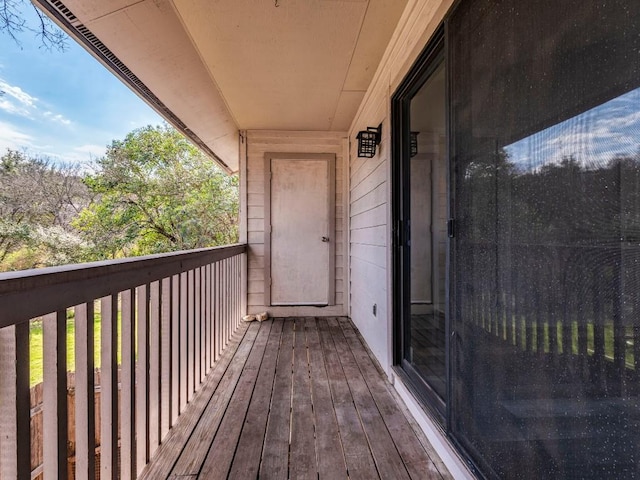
(575, 306)
(163, 319)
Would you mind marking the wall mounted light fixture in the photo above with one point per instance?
(368, 140)
(414, 144)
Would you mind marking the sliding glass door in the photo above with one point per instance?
(422, 224)
(516, 206)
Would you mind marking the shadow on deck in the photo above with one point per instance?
(295, 398)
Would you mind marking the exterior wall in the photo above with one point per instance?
(259, 142)
(370, 182)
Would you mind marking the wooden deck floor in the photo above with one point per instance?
(295, 399)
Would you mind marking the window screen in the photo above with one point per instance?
(545, 137)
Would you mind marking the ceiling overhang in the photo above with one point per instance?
(212, 68)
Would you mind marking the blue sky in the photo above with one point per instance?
(594, 137)
(64, 105)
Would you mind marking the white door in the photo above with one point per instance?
(301, 241)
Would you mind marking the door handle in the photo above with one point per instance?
(325, 239)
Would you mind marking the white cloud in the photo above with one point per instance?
(18, 94)
(13, 109)
(10, 137)
(57, 118)
(94, 150)
(16, 101)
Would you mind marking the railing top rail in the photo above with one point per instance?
(30, 293)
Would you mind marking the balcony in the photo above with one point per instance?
(185, 389)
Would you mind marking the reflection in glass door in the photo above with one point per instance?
(428, 232)
(422, 212)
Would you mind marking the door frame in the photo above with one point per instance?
(434, 52)
(330, 158)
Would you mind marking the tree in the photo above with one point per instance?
(38, 200)
(155, 192)
(14, 21)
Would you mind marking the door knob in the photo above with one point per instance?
(325, 239)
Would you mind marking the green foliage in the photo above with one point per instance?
(155, 192)
(38, 199)
(152, 192)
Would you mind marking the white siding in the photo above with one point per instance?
(258, 143)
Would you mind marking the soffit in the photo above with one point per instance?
(148, 37)
(304, 65)
(224, 65)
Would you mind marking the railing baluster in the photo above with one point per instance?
(190, 337)
(203, 323)
(8, 443)
(109, 387)
(85, 391)
(128, 392)
(55, 415)
(197, 330)
(537, 301)
(154, 367)
(217, 311)
(236, 292)
(209, 317)
(166, 357)
(142, 379)
(175, 348)
(176, 313)
(183, 340)
(598, 330)
(227, 303)
(244, 280)
(15, 408)
(619, 340)
(23, 400)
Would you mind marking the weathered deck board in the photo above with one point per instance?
(301, 398)
(276, 445)
(171, 448)
(328, 445)
(358, 456)
(197, 447)
(246, 463)
(221, 452)
(419, 464)
(303, 456)
(385, 454)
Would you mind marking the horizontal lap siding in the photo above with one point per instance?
(370, 189)
(369, 232)
(258, 143)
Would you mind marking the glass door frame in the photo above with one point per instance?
(429, 60)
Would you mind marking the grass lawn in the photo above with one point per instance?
(36, 346)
